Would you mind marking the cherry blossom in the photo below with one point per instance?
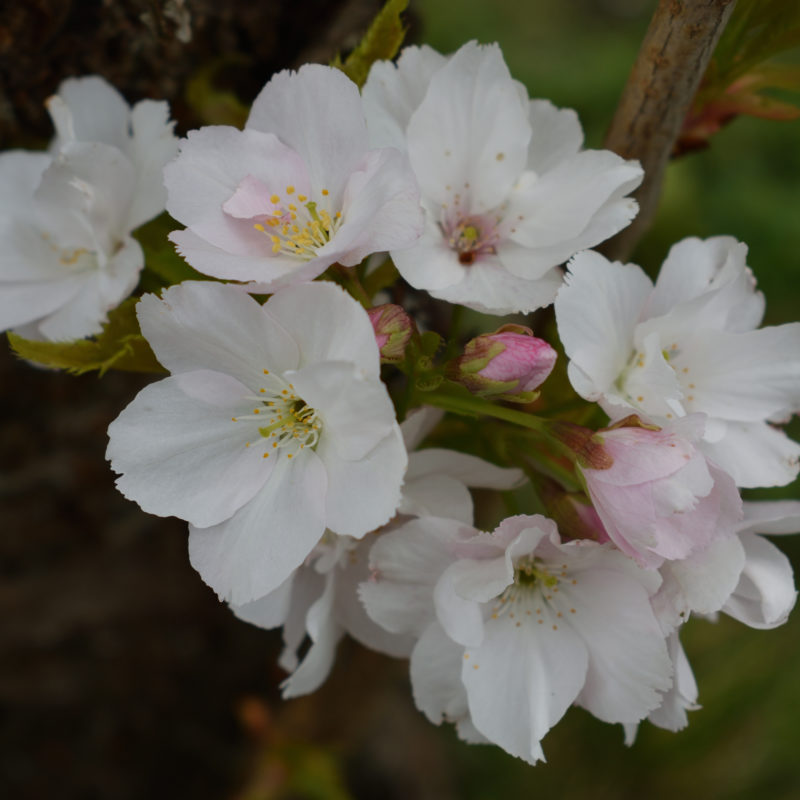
(320, 598)
(67, 256)
(273, 426)
(690, 343)
(515, 626)
(507, 191)
(296, 191)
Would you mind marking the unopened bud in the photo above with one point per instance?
(511, 362)
(393, 329)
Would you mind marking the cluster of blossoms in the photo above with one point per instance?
(276, 434)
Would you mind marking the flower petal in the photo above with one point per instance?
(394, 91)
(242, 340)
(597, 310)
(522, 679)
(471, 132)
(317, 112)
(363, 494)
(765, 593)
(178, 453)
(253, 552)
(328, 325)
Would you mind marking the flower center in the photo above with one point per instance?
(471, 237)
(297, 226)
(286, 422)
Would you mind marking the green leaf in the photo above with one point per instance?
(381, 42)
(119, 346)
(162, 261)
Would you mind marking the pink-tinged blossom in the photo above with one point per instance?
(507, 190)
(510, 362)
(515, 626)
(296, 191)
(67, 256)
(661, 499)
(320, 598)
(273, 427)
(688, 344)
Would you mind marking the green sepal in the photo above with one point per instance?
(381, 42)
(120, 345)
(429, 343)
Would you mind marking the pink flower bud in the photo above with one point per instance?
(393, 329)
(510, 362)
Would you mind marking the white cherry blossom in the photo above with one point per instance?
(294, 192)
(273, 426)
(320, 598)
(507, 191)
(67, 256)
(689, 343)
(516, 625)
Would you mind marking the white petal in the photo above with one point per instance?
(406, 564)
(180, 454)
(556, 135)
(328, 325)
(84, 196)
(101, 291)
(90, 110)
(765, 593)
(380, 208)
(254, 551)
(436, 676)
(204, 325)
(597, 310)
(560, 204)
(268, 274)
(350, 613)
(470, 470)
(270, 611)
(470, 134)
(317, 112)
(363, 494)
(628, 660)
(418, 424)
(488, 287)
(436, 496)
(700, 583)
(22, 303)
(152, 145)
(695, 267)
(755, 454)
(20, 174)
(325, 634)
(522, 679)
(394, 91)
(745, 377)
(773, 517)
(682, 697)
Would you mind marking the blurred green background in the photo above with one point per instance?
(745, 741)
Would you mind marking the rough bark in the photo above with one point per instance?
(671, 63)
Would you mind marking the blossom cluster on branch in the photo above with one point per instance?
(322, 443)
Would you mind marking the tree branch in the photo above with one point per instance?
(671, 63)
